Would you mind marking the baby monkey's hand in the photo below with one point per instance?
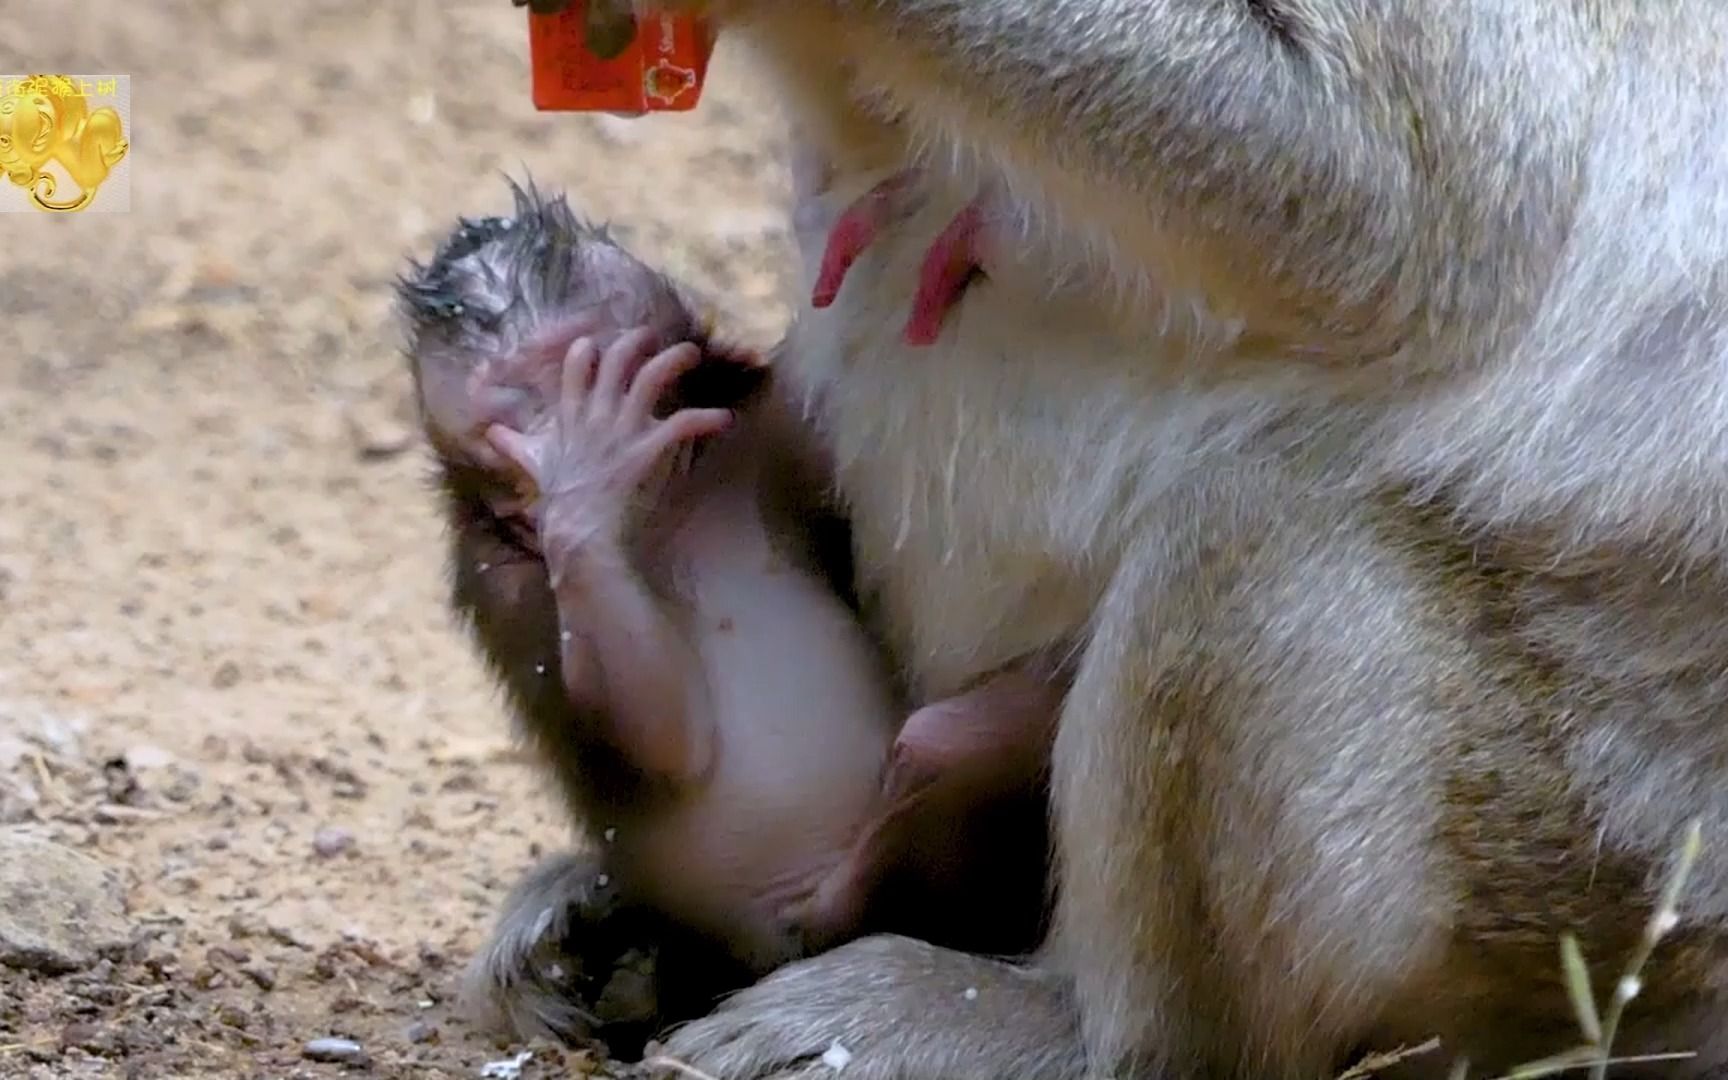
(600, 456)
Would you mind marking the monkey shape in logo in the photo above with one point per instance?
(46, 119)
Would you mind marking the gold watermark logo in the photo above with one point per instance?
(63, 141)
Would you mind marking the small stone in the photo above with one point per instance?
(144, 757)
(335, 1052)
(331, 841)
(508, 1069)
(421, 1032)
(462, 781)
(234, 1017)
(121, 784)
(84, 1035)
(120, 814)
(285, 935)
(183, 787)
(262, 977)
(227, 676)
(60, 910)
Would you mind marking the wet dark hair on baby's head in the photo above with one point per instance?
(496, 282)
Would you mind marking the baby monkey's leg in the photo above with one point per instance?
(949, 758)
(572, 958)
(524, 979)
(950, 264)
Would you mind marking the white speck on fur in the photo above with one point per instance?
(836, 1057)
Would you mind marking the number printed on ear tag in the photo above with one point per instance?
(600, 56)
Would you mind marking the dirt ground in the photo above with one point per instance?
(225, 666)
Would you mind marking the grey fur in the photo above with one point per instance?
(523, 980)
(1388, 496)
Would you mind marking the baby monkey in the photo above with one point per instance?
(644, 549)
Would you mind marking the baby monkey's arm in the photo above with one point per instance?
(598, 461)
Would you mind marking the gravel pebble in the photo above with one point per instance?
(330, 842)
(335, 1051)
(422, 1032)
(60, 910)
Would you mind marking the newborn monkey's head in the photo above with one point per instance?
(502, 300)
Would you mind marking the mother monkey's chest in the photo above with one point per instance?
(975, 481)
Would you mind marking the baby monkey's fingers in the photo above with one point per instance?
(684, 426)
(577, 377)
(519, 452)
(656, 379)
(623, 359)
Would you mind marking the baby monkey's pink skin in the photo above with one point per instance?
(962, 772)
(653, 581)
(693, 624)
(721, 664)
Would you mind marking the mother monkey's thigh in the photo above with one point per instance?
(1239, 785)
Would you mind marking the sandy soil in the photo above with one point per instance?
(223, 648)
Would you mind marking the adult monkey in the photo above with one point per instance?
(1396, 576)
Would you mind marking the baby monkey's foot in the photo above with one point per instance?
(526, 979)
(950, 264)
(596, 456)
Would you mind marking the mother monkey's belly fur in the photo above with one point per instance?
(1352, 763)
